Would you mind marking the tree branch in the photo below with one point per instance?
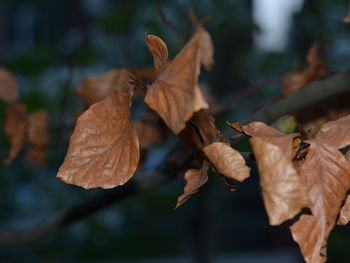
(175, 163)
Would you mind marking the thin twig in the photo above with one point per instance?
(169, 23)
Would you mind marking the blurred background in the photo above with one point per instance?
(44, 43)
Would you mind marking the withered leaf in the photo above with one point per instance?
(344, 216)
(206, 48)
(159, 50)
(227, 161)
(38, 137)
(38, 125)
(95, 88)
(175, 95)
(104, 148)
(283, 193)
(314, 72)
(326, 173)
(8, 86)
(195, 178)
(16, 128)
(271, 135)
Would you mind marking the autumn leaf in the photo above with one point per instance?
(326, 173)
(195, 178)
(283, 193)
(344, 216)
(147, 75)
(104, 148)
(175, 94)
(206, 48)
(38, 137)
(227, 161)
(347, 18)
(16, 128)
(159, 50)
(314, 72)
(8, 86)
(95, 88)
(288, 144)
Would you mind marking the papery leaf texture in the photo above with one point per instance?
(159, 50)
(95, 88)
(283, 192)
(16, 128)
(175, 94)
(227, 161)
(104, 148)
(326, 173)
(195, 178)
(8, 86)
(206, 48)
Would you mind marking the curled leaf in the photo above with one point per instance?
(227, 161)
(95, 88)
(8, 86)
(195, 178)
(104, 148)
(16, 128)
(175, 95)
(159, 50)
(282, 190)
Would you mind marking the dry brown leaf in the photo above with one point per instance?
(95, 88)
(271, 135)
(104, 148)
(37, 155)
(159, 51)
(38, 126)
(195, 178)
(227, 161)
(147, 75)
(206, 48)
(314, 72)
(344, 216)
(283, 193)
(16, 128)
(175, 95)
(150, 130)
(8, 86)
(38, 137)
(347, 18)
(326, 173)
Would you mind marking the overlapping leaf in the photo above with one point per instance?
(104, 148)
(16, 128)
(283, 193)
(227, 161)
(326, 173)
(175, 95)
(206, 47)
(95, 88)
(195, 178)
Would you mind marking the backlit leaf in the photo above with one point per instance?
(175, 95)
(227, 161)
(104, 148)
(282, 190)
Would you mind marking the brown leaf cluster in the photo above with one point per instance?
(33, 128)
(294, 177)
(175, 94)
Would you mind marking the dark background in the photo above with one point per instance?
(37, 38)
